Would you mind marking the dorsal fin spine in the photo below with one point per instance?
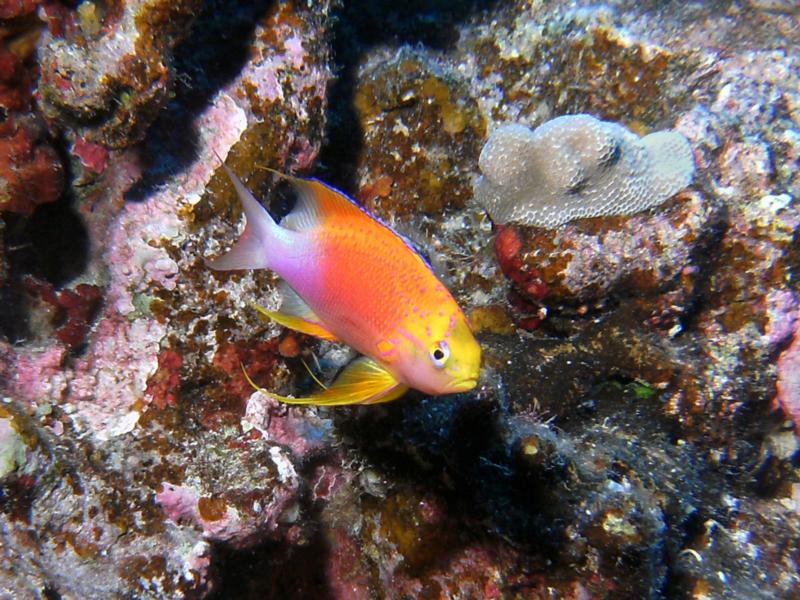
(308, 214)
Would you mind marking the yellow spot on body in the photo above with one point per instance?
(385, 347)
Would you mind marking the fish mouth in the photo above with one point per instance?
(463, 385)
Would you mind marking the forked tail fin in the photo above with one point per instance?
(250, 252)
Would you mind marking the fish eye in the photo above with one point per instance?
(440, 352)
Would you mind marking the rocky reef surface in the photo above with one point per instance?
(635, 430)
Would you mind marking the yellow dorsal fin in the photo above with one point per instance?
(363, 381)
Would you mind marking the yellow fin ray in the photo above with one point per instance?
(295, 314)
(314, 377)
(363, 381)
(296, 323)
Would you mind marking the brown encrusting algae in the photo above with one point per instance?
(633, 432)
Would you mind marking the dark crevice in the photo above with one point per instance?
(706, 256)
(52, 245)
(465, 441)
(275, 570)
(49, 593)
(55, 244)
(358, 27)
(211, 56)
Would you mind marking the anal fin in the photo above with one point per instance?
(363, 381)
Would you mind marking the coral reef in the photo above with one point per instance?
(105, 527)
(113, 356)
(788, 396)
(93, 540)
(577, 166)
(70, 312)
(399, 102)
(240, 516)
(30, 169)
(587, 261)
(106, 69)
(634, 433)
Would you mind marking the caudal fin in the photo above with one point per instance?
(250, 252)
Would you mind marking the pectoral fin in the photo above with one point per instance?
(295, 314)
(363, 381)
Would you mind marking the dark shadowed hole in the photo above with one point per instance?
(53, 245)
(460, 439)
(282, 200)
(208, 59)
(274, 572)
(360, 25)
(49, 593)
(59, 243)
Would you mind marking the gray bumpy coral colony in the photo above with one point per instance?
(577, 166)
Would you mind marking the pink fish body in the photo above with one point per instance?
(348, 277)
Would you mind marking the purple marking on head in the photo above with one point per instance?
(452, 325)
(410, 336)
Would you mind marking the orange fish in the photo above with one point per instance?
(347, 277)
